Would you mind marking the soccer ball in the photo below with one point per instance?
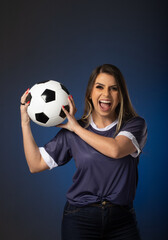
(46, 101)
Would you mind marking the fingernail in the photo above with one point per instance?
(71, 96)
(28, 102)
(63, 106)
(27, 91)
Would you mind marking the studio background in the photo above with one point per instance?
(65, 40)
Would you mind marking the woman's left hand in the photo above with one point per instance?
(72, 122)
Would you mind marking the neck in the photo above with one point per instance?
(102, 122)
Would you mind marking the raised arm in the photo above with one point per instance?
(34, 159)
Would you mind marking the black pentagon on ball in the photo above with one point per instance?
(48, 95)
(41, 117)
(64, 88)
(62, 114)
(29, 97)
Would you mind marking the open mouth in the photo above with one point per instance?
(105, 105)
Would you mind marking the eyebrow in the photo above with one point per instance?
(115, 85)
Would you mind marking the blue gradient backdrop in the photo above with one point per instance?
(65, 41)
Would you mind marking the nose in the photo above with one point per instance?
(106, 92)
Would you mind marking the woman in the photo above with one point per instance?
(105, 145)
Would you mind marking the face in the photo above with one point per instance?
(105, 96)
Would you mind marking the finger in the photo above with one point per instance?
(71, 107)
(65, 111)
(26, 93)
(23, 98)
(71, 101)
(61, 125)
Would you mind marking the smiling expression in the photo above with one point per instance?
(105, 96)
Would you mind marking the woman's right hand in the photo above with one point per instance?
(23, 109)
(34, 159)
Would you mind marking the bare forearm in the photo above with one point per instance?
(105, 145)
(112, 147)
(31, 149)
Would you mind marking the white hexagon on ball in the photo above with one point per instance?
(46, 101)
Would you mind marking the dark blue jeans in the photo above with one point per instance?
(99, 222)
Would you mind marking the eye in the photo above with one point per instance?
(99, 87)
(114, 88)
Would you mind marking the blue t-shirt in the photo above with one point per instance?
(98, 177)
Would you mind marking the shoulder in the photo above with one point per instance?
(136, 125)
(136, 130)
(135, 122)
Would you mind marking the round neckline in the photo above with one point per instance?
(105, 128)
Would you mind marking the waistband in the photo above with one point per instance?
(108, 203)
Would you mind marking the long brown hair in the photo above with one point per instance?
(124, 110)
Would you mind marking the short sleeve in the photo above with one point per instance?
(57, 152)
(136, 130)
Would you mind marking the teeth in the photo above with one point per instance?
(105, 101)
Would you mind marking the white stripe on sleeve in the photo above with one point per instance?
(134, 141)
(47, 158)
